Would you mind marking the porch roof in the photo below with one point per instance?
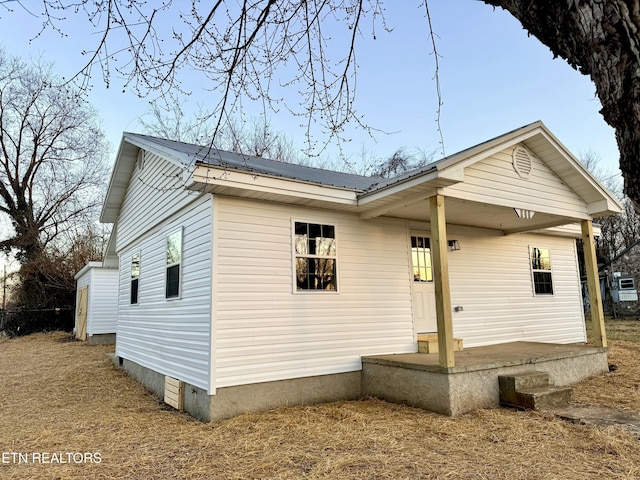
(492, 202)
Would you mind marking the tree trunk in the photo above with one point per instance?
(600, 39)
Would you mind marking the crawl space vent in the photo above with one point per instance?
(522, 162)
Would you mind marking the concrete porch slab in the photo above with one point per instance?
(417, 379)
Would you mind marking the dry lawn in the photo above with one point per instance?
(61, 396)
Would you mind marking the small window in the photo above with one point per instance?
(315, 256)
(174, 259)
(135, 278)
(541, 271)
(421, 259)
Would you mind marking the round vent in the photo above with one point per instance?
(522, 162)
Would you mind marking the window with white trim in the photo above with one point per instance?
(174, 260)
(315, 257)
(135, 278)
(540, 259)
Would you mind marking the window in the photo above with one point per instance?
(135, 278)
(421, 259)
(315, 254)
(627, 284)
(541, 271)
(174, 258)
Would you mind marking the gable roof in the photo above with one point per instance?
(213, 170)
(537, 138)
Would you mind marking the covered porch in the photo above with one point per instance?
(420, 380)
(524, 182)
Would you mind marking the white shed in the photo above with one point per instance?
(96, 303)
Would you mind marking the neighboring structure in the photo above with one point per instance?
(619, 283)
(96, 303)
(247, 283)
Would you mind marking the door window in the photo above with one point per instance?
(421, 259)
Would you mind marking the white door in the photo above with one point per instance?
(423, 290)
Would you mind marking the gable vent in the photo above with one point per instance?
(140, 159)
(522, 162)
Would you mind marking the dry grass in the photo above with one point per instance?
(620, 389)
(61, 396)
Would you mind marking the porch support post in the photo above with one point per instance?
(441, 281)
(593, 284)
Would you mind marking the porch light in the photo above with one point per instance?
(526, 214)
(453, 245)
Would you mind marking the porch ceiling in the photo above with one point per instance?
(482, 215)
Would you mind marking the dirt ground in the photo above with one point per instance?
(67, 413)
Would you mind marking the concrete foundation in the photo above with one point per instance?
(414, 379)
(102, 339)
(231, 401)
(418, 380)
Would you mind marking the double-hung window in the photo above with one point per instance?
(315, 257)
(540, 259)
(135, 278)
(174, 260)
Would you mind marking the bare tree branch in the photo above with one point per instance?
(52, 156)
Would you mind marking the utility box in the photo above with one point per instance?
(623, 288)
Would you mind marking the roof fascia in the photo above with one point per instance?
(205, 176)
(609, 204)
(432, 178)
(177, 158)
(86, 268)
(109, 200)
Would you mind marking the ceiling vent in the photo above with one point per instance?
(522, 162)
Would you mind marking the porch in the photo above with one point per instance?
(419, 379)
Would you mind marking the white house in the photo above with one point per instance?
(249, 283)
(96, 303)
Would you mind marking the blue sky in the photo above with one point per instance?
(493, 77)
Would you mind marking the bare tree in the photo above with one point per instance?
(52, 157)
(401, 161)
(617, 232)
(168, 120)
(256, 137)
(239, 45)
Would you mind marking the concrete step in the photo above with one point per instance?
(523, 380)
(428, 343)
(544, 397)
(531, 390)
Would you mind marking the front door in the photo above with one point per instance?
(423, 290)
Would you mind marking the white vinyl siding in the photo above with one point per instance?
(103, 299)
(265, 332)
(154, 193)
(494, 181)
(171, 337)
(491, 279)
